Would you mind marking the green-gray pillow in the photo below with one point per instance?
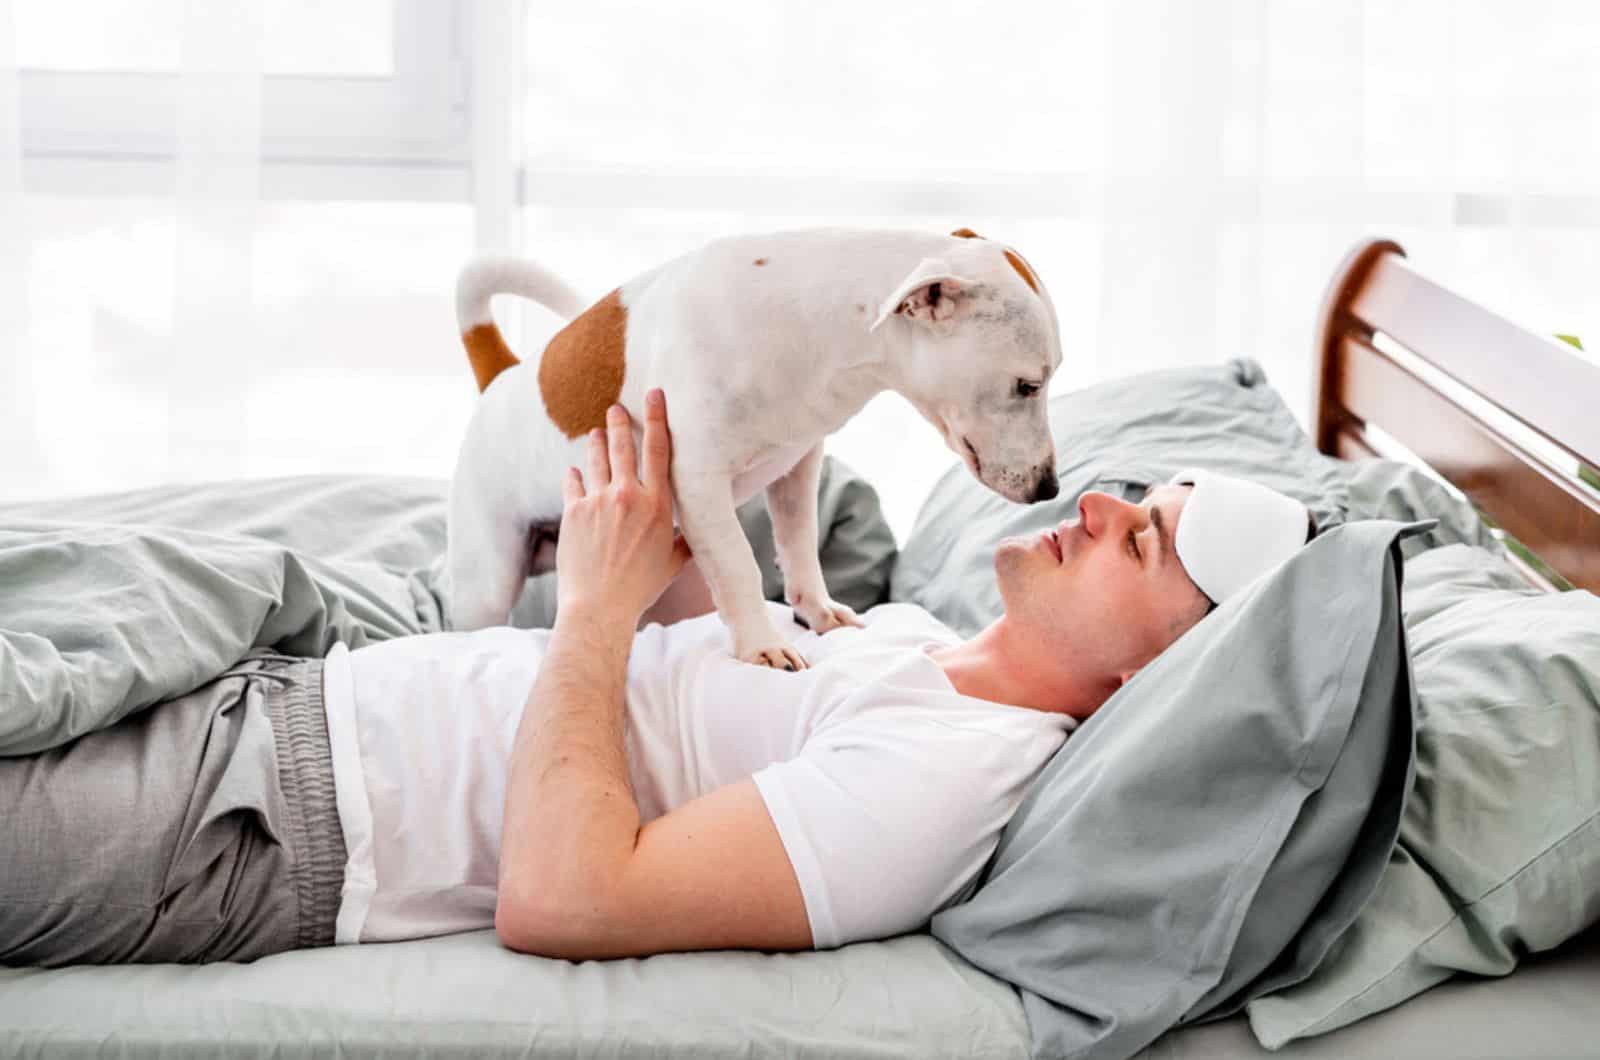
(1222, 816)
(1499, 851)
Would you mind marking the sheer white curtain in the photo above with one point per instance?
(216, 205)
(19, 442)
(235, 225)
(255, 279)
(1184, 176)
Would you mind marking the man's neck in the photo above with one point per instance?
(1002, 667)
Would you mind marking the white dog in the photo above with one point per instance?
(764, 345)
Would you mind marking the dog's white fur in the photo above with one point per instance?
(764, 345)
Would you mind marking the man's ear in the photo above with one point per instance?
(928, 295)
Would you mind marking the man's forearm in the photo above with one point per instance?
(571, 821)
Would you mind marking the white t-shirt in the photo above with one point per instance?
(887, 787)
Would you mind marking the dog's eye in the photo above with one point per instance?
(1026, 389)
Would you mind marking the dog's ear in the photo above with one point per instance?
(928, 295)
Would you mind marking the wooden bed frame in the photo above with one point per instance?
(1503, 414)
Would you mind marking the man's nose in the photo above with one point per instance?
(1097, 511)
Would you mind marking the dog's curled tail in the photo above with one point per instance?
(480, 280)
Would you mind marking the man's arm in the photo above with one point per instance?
(578, 877)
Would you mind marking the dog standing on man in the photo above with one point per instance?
(764, 344)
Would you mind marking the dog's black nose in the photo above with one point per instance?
(1048, 487)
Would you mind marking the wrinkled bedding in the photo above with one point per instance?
(110, 604)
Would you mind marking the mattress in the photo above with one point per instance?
(464, 995)
(908, 997)
(1545, 1010)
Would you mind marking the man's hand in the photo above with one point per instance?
(617, 551)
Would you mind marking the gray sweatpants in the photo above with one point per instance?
(200, 829)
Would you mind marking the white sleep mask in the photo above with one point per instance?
(1232, 531)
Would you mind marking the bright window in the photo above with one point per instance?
(346, 85)
(353, 38)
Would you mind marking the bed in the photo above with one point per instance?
(1395, 350)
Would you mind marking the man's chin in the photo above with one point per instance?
(1010, 557)
(1019, 542)
(1020, 549)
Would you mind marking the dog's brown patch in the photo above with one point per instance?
(1023, 269)
(487, 352)
(1017, 261)
(761, 261)
(580, 374)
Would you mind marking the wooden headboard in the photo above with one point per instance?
(1505, 415)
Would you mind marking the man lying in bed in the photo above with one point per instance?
(649, 793)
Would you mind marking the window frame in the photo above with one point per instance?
(75, 124)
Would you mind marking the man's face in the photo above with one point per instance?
(1105, 592)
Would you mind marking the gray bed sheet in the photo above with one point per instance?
(908, 997)
(464, 995)
(1545, 1010)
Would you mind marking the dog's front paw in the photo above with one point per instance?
(820, 613)
(779, 657)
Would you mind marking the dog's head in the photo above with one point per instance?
(983, 344)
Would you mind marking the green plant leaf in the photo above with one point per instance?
(1571, 340)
